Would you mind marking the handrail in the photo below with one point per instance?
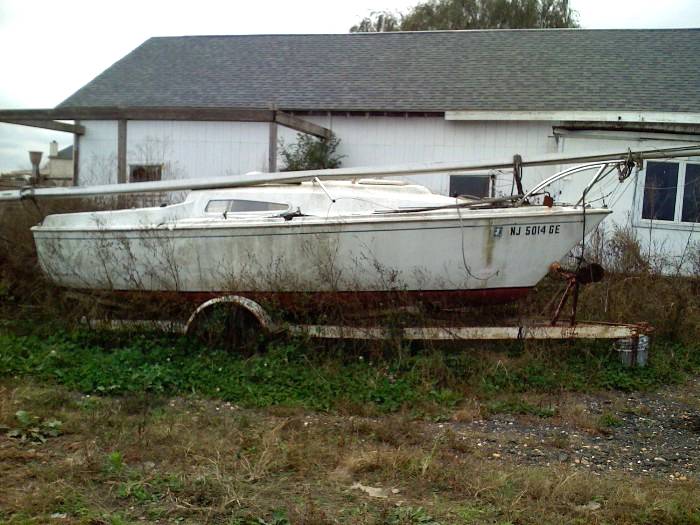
(565, 173)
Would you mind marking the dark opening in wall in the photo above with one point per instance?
(145, 172)
(475, 185)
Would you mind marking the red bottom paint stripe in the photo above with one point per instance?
(351, 299)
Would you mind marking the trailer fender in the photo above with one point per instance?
(256, 310)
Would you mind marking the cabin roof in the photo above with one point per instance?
(538, 70)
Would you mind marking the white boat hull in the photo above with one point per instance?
(497, 253)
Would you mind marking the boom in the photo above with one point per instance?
(252, 179)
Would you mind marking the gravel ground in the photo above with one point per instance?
(656, 434)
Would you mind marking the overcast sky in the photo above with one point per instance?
(50, 49)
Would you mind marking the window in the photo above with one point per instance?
(475, 185)
(691, 194)
(145, 172)
(672, 192)
(660, 188)
(242, 206)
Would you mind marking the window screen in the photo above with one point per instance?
(660, 187)
(478, 186)
(691, 194)
(241, 206)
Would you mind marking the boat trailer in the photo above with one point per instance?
(631, 341)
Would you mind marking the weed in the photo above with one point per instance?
(31, 428)
(608, 420)
(411, 516)
(473, 513)
(115, 462)
(135, 490)
(145, 367)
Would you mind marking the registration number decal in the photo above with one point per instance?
(536, 229)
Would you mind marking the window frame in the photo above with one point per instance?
(490, 183)
(250, 213)
(677, 223)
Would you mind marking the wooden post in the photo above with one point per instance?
(272, 149)
(121, 152)
(76, 157)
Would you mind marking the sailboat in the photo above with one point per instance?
(325, 237)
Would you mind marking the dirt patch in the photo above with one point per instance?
(649, 434)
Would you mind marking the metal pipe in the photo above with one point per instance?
(336, 174)
(323, 187)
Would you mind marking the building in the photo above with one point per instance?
(181, 107)
(56, 171)
(59, 167)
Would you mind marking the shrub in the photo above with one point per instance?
(311, 153)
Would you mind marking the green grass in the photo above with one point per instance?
(298, 374)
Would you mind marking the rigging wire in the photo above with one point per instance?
(681, 259)
(622, 193)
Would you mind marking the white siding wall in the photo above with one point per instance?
(198, 149)
(375, 141)
(202, 149)
(98, 153)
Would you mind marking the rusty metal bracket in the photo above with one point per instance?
(584, 274)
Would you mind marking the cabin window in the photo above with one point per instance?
(242, 206)
(475, 185)
(145, 172)
(672, 192)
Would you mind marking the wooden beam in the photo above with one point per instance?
(272, 149)
(76, 157)
(49, 124)
(141, 113)
(121, 152)
(290, 121)
(641, 127)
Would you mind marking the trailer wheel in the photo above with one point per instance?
(233, 323)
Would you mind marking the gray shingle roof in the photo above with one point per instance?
(66, 153)
(653, 70)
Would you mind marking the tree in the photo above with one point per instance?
(310, 153)
(377, 22)
(433, 15)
